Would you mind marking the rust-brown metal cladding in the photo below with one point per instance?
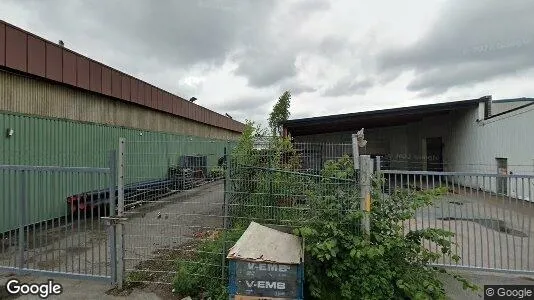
(25, 52)
(36, 56)
(83, 72)
(16, 49)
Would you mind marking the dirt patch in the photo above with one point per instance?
(156, 275)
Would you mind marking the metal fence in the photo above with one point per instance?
(274, 188)
(182, 200)
(173, 201)
(50, 218)
(491, 216)
(189, 199)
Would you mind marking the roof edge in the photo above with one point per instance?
(510, 110)
(511, 100)
(388, 110)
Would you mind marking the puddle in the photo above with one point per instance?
(497, 225)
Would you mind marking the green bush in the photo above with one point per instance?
(216, 172)
(263, 184)
(342, 262)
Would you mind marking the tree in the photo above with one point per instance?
(280, 113)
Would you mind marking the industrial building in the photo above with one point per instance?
(479, 135)
(61, 108)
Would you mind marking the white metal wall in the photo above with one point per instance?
(474, 146)
(502, 106)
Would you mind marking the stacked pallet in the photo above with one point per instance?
(183, 178)
(186, 179)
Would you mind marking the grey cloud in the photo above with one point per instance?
(270, 53)
(179, 33)
(295, 87)
(332, 44)
(148, 36)
(265, 68)
(348, 86)
(243, 104)
(259, 117)
(301, 89)
(471, 42)
(436, 81)
(304, 7)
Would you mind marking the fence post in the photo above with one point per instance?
(120, 214)
(225, 212)
(355, 152)
(378, 164)
(228, 188)
(378, 171)
(365, 190)
(120, 178)
(112, 204)
(23, 212)
(225, 199)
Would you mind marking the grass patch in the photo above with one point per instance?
(202, 275)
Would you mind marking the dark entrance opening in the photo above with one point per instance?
(434, 154)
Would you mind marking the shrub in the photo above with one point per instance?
(216, 172)
(342, 262)
(345, 263)
(263, 186)
(201, 273)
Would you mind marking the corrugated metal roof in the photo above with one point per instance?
(263, 244)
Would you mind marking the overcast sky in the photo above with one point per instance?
(335, 56)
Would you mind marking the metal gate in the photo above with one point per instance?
(171, 199)
(493, 230)
(51, 223)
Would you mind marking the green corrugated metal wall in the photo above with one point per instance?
(54, 142)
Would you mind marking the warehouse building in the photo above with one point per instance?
(60, 108)
(478, 135)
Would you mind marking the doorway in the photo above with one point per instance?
(434, 154)
(502, 169)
